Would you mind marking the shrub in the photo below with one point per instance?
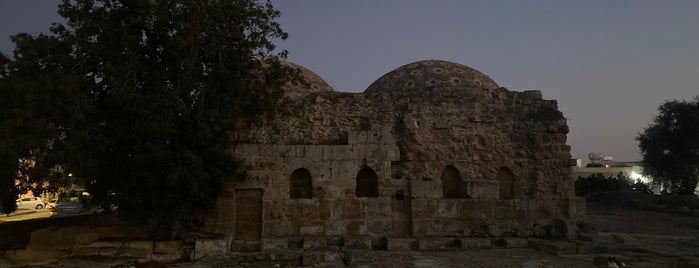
(599, 183)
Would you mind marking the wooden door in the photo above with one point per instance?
(248, 214)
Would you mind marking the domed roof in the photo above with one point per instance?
(315, 83)
(431, 73)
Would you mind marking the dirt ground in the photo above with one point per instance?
(639, 230)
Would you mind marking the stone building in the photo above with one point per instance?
(430, 149)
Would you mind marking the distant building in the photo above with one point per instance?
(605, 165)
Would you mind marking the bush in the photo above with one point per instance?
(598, 183)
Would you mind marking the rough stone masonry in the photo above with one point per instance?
(431, 150)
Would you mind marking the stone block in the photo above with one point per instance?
(357, 137)
(312, 230)
(377, 208)
(140, 245)
(387, 137)
(107, 244)
(85, 250)
(424, 208)
(53, 238)
(275, 193)
(26, 256)
(338, 152)
(358, 243)
(141, 250)
(311, 242)
(349, 208)
(356, 227)
(451, 227)
(493, 230)
(426, 187)
(165, 257)
(504, 212)
(309, 209)
(243, 246)
(343, 174)
(269, 150)
(447, 208)
(288, 151)
(482, 189)
(392, 153)
(171, 246)
(246, 149)
(311, 258)
(280, 228)
(401, 244)
(335, 228)
(379, 227)
(421, 228)
(554, 247)
(439, 243)
(85, 238)
(274, 243)
(475, 243)
(108, 251)
(568, 229)
(513, 242)
(331, 256)
(575, 208)
(525, 233)
(205, 246)
(539, 231)
(374, 137)
(313, 152)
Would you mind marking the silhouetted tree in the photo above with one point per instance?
(670, 146)
(140, 97)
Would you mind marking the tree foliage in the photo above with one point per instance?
(670, 146)
(599, 183)
(139, 98)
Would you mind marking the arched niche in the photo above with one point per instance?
(367, 183)
(301, 184)
(452, 184)
(506, 179)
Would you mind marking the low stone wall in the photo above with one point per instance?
(61, 241)
(112, 241)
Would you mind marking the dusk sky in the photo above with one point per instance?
(609, 64)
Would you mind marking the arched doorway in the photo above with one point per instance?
(452, 184)
(507, 183)
(301, 184)
(367, 183)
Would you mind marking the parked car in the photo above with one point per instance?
(51, 203)
(30, 203)
(68, 205)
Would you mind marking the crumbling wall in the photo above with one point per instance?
(505, 153)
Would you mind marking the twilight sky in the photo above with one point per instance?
(609, 64)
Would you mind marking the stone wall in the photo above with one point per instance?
(334, 208)
(450, 159)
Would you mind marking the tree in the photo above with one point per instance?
(33, 105)
(143, 96)
(670, 146)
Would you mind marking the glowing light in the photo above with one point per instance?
(636, 176)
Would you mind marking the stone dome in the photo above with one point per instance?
(431, 73)
(315, 83)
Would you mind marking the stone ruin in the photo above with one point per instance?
(431, 150)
